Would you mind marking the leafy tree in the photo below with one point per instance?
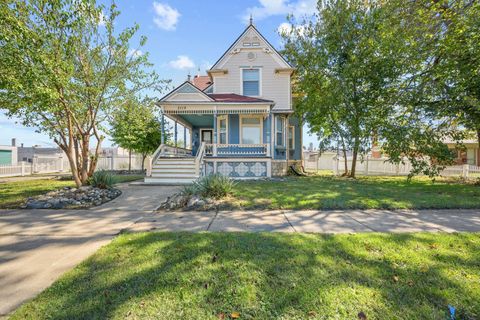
(64, 68)
(135, 128)
(355, 61)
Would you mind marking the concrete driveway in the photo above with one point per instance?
(37, 246)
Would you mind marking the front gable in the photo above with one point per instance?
(251, 43)
(186, 92)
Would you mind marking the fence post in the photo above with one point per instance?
(465, 170)
(112, 163)
(335, 165)
(23, 168)
(34, 164)
(61, 163)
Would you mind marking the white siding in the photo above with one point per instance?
(188, 97)
(275, 86)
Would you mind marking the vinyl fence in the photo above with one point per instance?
(60, 164)
(379, 166)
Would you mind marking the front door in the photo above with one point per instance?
(207, 136)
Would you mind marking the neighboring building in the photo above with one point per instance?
(239, 117)
(8, 154)
(28, 153)
(469, 155)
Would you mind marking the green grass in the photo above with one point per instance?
(328, 192)
(14, 193)
(269, 276)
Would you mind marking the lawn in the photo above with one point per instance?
(269, 276)
(14, 193)
(328, 192)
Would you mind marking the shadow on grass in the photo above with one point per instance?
(269, 276)
(367, 192)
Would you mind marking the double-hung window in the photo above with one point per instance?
(291, 137)
(279, 131)
(222, 124)
(251, 130)
(251, 82)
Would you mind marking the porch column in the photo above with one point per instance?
(269, 136)
(215, 134)
(162, 139)
(175, 134)
(184, 137)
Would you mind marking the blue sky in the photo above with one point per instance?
(184, 36)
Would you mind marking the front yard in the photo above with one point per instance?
(328, 192)
(14, 193)
(269, 276)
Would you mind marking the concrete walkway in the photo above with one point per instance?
(339, 221)
(37, 246)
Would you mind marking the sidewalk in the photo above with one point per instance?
(335, 221)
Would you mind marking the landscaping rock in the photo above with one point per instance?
(83, 197)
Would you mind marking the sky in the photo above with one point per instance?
(185, 37)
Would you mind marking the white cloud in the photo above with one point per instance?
(286, 28)
(102, 19)
(182, 62)
(166, 17)
(134, 53)
(267, 8)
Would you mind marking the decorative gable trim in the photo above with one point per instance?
(187, 88)
(218, 64)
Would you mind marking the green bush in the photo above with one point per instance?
(102, 179)
(213, 186)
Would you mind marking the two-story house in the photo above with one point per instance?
(240, 119)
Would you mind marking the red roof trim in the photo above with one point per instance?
(232, 97)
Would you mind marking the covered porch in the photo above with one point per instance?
(225, 131)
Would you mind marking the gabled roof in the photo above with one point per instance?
(251, 27)
(186, 87)
(232, 97)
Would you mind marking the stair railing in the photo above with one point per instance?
(199, 159)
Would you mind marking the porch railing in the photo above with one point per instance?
(237, 149)
(199, 159)
(164, 150)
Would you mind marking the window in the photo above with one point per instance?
(251, 82)
(251, 130)
(222, 124)
(279, 127)
(291, 137)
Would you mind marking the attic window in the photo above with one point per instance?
(255, 44)
(247, 44)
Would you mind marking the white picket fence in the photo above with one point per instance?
(380, 166)
(60, 164)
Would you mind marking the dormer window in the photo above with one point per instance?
(251, 82)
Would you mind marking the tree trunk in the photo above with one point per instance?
(478, 138)
(354, 157)
(144, 156)
(129, 160)
(344, 150)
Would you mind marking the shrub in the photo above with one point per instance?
(102, 179)
(213, 186)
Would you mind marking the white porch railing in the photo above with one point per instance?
(166, 151)
(237, 149)
(199, 159)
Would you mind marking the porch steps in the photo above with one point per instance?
(173, 171)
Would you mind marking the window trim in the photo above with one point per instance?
(243, 116)
(219, 118)
(259, 79)
(282, 119)
(292, 146)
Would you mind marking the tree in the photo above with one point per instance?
(355, 61)
(344, 72)
(64, 69)
(135, 128)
